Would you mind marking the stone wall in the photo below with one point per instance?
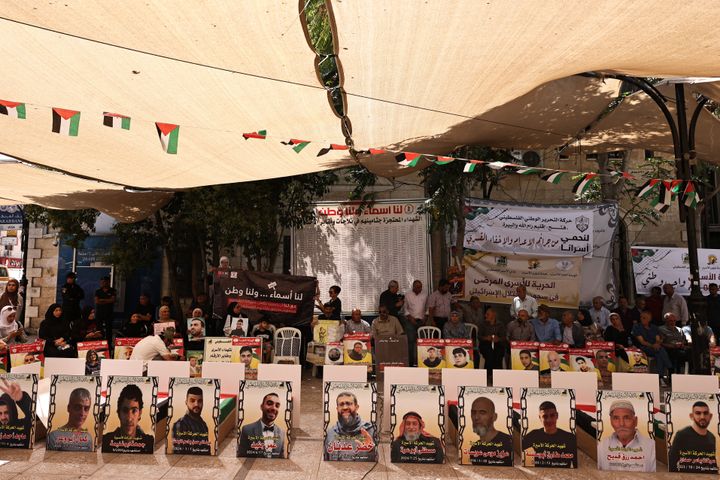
(42, 266)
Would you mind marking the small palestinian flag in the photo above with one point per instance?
(114, 120)
(553, 177)
(297, 145)
(376, 151)
(65, 122)
(647, 188)
(500, 165)
(624, 175)
(443, 160)
(260, 134)
(12, 109)
(664, 200)
(333, 146)
(692, 197)
(582, 185)
(408, 159)
(169, 135)
(470, 166)
(676, 188)
(527, 171)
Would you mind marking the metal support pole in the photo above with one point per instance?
(23, 281)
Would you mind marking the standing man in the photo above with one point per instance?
(523, 302)
(392, 300)
(492, 341)
(654, 304)
(104, 305)
(483, 417)
(626, 449)
(72, 294)
(415, 310)
(439, 305)
(73, 436)
(190, 432)
(713, 308)
(698, 438)
(350, 431)
(264, 438)
(129, 436)
(676, 304)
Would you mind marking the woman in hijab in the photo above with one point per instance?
(86, 328)
(234, 311)
(11, 296)
(92, 363)
(56, 332)
(9, 328)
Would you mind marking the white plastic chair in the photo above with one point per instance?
(473, 330)
(288, 341)
(429, 332)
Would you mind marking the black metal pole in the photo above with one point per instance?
(24, 248)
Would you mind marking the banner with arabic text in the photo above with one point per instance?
(494, 278)
(283, 299)
(655, 266)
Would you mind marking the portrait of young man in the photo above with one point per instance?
(129, 437)
(693, 448)
(190, 432)
(74, 436)
(264, 437)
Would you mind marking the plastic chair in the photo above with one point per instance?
(288, 341)
(473, 330)
(429, 332)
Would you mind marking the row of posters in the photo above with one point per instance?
(547, 357)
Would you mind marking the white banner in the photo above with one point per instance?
(656, 266)
(362, 252)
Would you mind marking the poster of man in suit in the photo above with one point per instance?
(264, 419)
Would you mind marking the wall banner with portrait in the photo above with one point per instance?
(548, 428)
(17, 409)
(625, 431)
(485, 428)
(524, 355)
(417, 422)
(124, 347)
(74, 413)
(130, 411)
(193, 412)
(350, 423)
(264, 419)
(693, 429)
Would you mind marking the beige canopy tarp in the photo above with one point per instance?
(417, 74)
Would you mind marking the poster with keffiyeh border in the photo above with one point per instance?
(417, 422)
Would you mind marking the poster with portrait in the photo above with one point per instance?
(548, 428)
(485, 429)
(553, 358)
(218, 349)
(581, 360)
(124, 347)
(334, 353)
(417, 416)
(239, 326)
(459, 353)
(524, 355)
(100, 347)
(264, 419)
(350, 427)
(357, 349)
(327, 331)
(18, 396)
(247, 350)
(608, 347)
(605, 362)
(196, 359)
(693, 429)
(193, 411)
(74, 413)
(195, 329)
(431, 353)
(715, 360)
(130, 411)
(27, 353)
(625, 431)
(638, 360)
(178, 347)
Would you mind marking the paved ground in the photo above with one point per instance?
(305, 462)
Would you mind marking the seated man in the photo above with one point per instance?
(155, 347)
(674, 341)
(386, 324)
(454, 327)
(647, 338)
(356, 324)
(547, 330)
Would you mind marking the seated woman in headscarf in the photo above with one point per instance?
(86, 328)
(165, 317)
(11, 296)
(234, 311)
(92, 363)
(10, 330)
(57, 333)
(135, 327)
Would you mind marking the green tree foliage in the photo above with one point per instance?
(74, 225)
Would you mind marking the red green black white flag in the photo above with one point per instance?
(553, 177)
(65, 122)
(443, 160)
(647, 188)
(115, 120)
(692, 197)
(664, 200)
(333, 146)
(376, 151)
(408, 159)
(470, 166)
(527, 171)
(12, 109)
(169, 136)
(298, 145)
(260, 134)
(584, 183)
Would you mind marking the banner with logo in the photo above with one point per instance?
(494, 278)
(656, 266)
(282, 299)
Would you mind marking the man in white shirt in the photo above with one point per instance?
(155, 347)
(415, 308)
(626, 449)
(599, 314)
(439, 304)
(674, 303)
(523, 302)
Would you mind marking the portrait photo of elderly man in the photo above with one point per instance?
(626, 449)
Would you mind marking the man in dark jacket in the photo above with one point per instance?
(72, 294)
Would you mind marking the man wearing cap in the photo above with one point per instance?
(626, 449)
(72, 294)
(155, 347)
(104, 303)
(413, 444)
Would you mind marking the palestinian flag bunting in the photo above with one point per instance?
(333, 146)
(114, 120)
(12, 109)
(408, 159)
(553, 177)
(527, 171)
(692, 197)
(297, 145)
(169, 136)
(583, 184)
(443, 160)
(470, 166)
(260, 134)
(65, 122)
(376, 151)
(623, 175)
(647, 188)
(664, 200)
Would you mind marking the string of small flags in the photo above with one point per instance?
(660, 193)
